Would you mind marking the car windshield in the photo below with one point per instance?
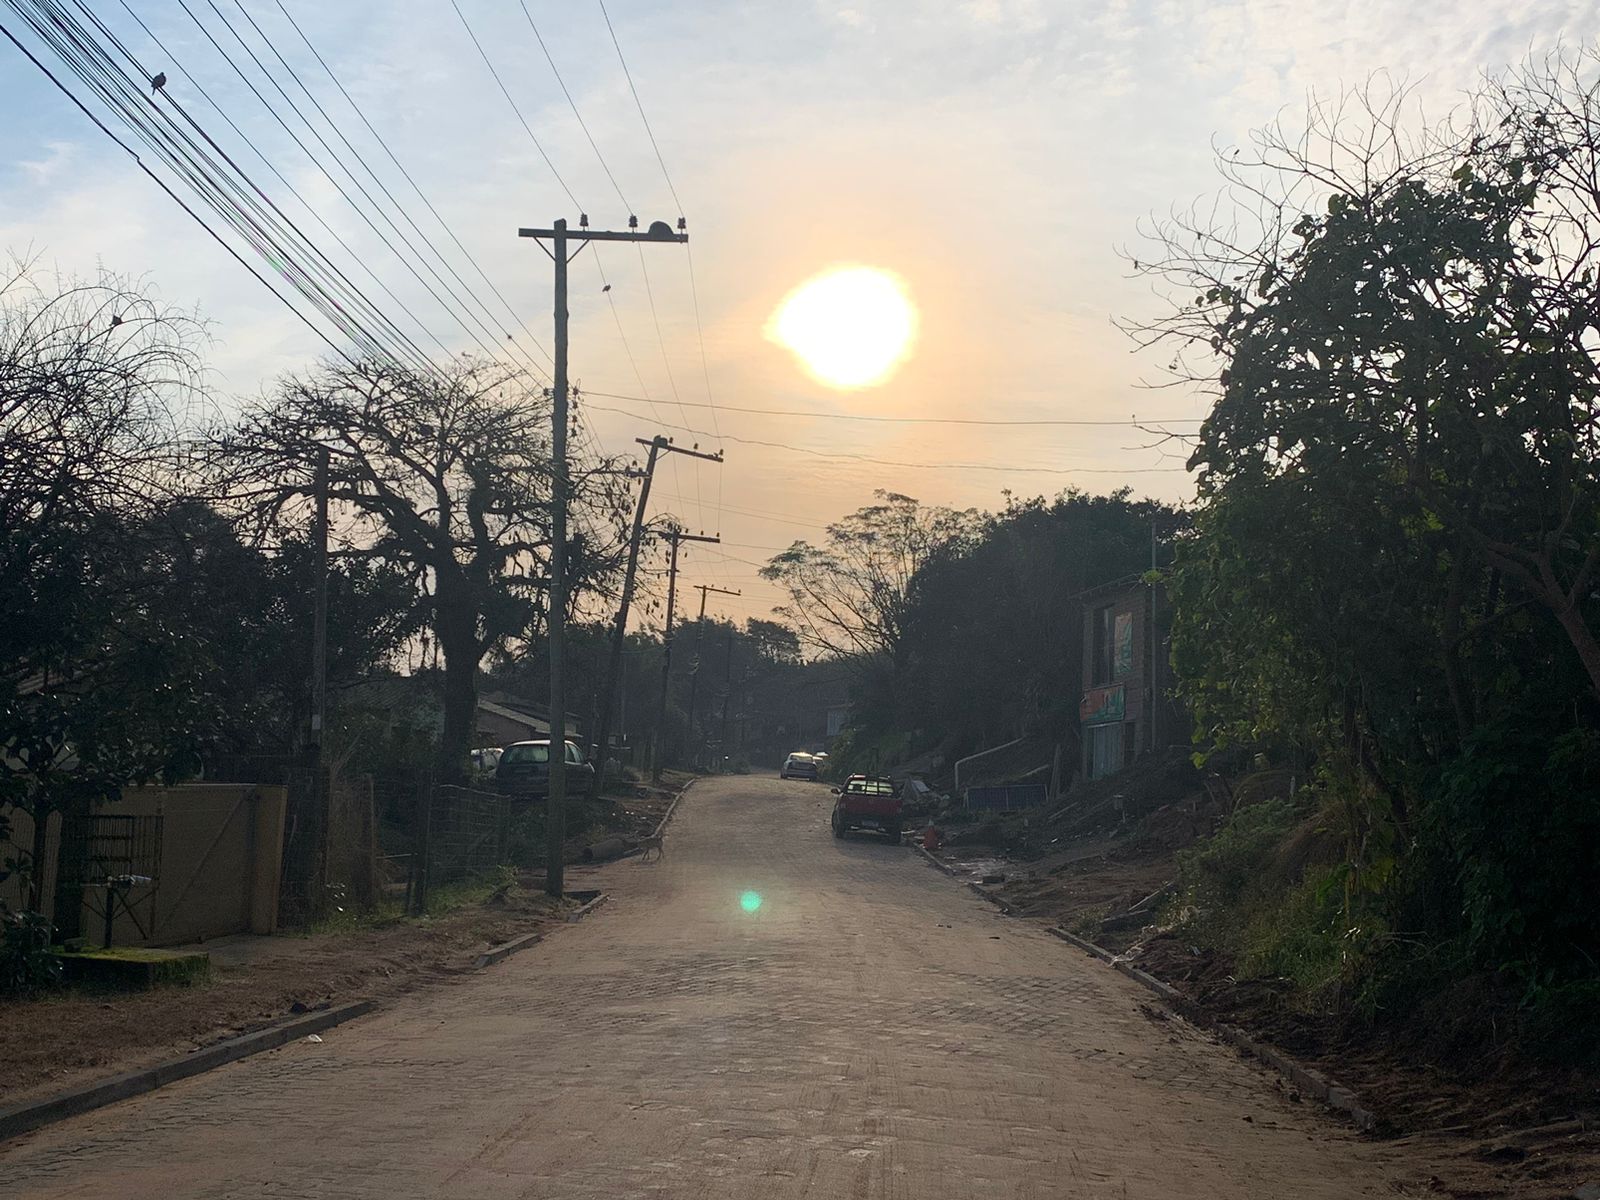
(526, 752)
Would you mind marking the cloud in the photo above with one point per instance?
(43, 171)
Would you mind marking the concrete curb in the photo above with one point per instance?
(1311, 1082)
(579, 914)
(24, 1117)
(933, 858)
(506, 949)
(661, 825)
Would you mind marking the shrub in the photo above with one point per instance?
(26, 963)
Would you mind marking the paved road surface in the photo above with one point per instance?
(871, 1030)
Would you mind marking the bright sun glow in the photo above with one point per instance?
(850, 327)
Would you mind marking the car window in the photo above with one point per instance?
(518, 755)
(574, 755)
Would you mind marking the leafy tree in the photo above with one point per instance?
(994, 626)
(446, 477)
(101, 688)
(1391, 575)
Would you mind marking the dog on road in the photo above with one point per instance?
(647, 844)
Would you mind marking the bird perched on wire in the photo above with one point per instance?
(115, 320)
(607, 288)
(157, 83)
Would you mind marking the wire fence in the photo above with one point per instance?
(465, 834)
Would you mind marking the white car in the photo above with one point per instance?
(799, 765)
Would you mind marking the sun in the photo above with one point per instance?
(850, 327)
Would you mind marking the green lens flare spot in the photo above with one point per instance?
(750, 901)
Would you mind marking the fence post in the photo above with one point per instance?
(424, 838)
(502, 833)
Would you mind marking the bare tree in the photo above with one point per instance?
(447, 475)
(848, 596)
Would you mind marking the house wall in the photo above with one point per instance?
(220, 863)
(496, 730)
(1130, 677)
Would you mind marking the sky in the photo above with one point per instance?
(995, 155)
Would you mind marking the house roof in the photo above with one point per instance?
(534, 724)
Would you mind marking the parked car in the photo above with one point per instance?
(867, 802)
(799, 765)
(524, 769)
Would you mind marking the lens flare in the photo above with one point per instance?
(850, 327)
(750, 901)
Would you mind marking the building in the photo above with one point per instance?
(1124, 710)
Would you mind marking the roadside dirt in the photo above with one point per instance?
(59, 1040)
(1509, 1128)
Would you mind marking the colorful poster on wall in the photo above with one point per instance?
(1122, 643)
(1101, 706)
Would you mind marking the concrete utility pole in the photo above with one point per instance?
(619, 628)
(700, 637)
(558, 235)
(727, 691)
(674, 535)
(319, 614)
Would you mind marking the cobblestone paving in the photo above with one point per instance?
(871, 1030)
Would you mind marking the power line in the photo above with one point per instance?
(176, 63)
(233, 199)
(356, 108)
(694, 289)
(162, 184)
(889, 462)
(989, 421)
(488, 348)
(582, 124)
(640, 105)
(504, 91)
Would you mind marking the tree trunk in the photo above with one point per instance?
(1570, 614)
(456, 627)
(36, 866)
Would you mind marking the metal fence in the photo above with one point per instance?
(1006, 797)
(464, 834)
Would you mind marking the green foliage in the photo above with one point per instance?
(1227, 869)
(1516, 820)
(26, 963)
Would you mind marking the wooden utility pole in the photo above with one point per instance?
(675, 536)
(619, 627)
(558, 235)
(699, 638)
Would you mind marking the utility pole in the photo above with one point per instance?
(619, 628)
(727, 691)
(320, 783)
(675, 536)
(558, 235)
(699, 637)
(319, 613)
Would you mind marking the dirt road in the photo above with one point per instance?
(868, 1029)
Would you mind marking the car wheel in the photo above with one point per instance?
(838, 827)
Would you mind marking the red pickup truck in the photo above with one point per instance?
(867, 802)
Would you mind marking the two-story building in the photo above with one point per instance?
(1125, 710)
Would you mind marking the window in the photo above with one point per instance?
(526, 752)
(1104, 648)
